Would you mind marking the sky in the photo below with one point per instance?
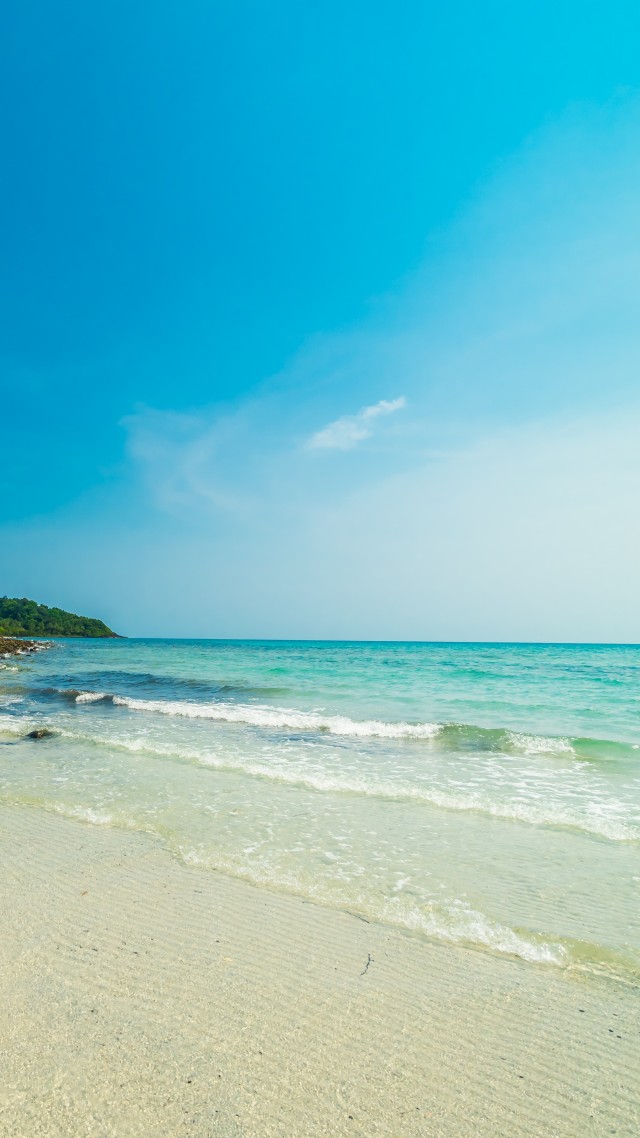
(322, 322)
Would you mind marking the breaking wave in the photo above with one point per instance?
(610, 821)
(281, 717)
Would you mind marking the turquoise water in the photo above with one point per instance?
(487, 795)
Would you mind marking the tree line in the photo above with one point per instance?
(21, 617)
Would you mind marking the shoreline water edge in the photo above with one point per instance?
(141, 996)
(322, 889)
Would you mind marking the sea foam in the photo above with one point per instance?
(612, 823)
(282, 717)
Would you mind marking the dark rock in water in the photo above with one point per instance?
(10, 646)
(40, 733)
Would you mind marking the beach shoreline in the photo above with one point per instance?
(144, 996)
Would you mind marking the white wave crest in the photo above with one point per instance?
(90, 696)
(540, 744)
(282, 717)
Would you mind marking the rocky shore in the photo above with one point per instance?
(10, 646)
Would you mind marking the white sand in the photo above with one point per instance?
(142, 997)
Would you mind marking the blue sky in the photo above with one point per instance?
(322, 322)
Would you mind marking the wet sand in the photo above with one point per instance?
(139, 996)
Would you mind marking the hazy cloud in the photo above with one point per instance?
(347, 432)
(181, 459)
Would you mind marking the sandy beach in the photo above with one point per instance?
(319, 621)
(143, 997)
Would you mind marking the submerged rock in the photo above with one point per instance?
(40, 733)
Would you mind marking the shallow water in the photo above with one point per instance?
(487, 795)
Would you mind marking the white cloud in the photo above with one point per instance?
(347, 432)
(505, 509)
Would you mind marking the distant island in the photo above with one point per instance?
(22, 617)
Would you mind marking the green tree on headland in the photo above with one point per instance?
(22, 617)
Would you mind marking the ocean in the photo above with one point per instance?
(486, 795)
